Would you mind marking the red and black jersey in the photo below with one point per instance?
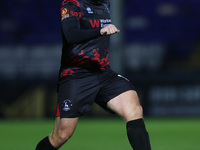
(83, 46)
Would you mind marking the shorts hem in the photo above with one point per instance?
(104, 105)
(121, 92)
(72, 116)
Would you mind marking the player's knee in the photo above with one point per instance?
(136, 113)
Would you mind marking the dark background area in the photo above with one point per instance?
(160, 53)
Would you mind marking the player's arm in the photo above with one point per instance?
(74, 34)
(70, 14)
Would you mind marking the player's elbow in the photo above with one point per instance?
(70, 39)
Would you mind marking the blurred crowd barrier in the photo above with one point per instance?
(160, 55)
(161, 40)
(29, 62)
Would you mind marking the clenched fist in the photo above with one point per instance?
(109, 30)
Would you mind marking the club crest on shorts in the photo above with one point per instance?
(67, 105)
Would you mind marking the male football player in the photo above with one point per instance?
(86, 77)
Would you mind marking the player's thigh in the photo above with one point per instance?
(126, 105)
(76, 95)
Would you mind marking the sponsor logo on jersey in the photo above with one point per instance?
(97, 22)
(89, 10)
(76, 14)
(94, 23)
(105, 22)
(64, 13)
(67, 105)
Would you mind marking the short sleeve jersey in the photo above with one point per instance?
(92, 54)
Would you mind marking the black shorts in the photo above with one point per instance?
(76, 94)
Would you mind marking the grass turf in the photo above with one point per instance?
(98, 134)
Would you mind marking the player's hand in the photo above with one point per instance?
(109, 30)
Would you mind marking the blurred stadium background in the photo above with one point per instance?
(158, 49)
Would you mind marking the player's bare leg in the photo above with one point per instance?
(128, 106)
(63, 130)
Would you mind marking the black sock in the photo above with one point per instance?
(137, 135)
(45, 145)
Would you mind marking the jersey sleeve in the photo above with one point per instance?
(70, 16)
(70, 10)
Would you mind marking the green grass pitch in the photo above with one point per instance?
(106, 134)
